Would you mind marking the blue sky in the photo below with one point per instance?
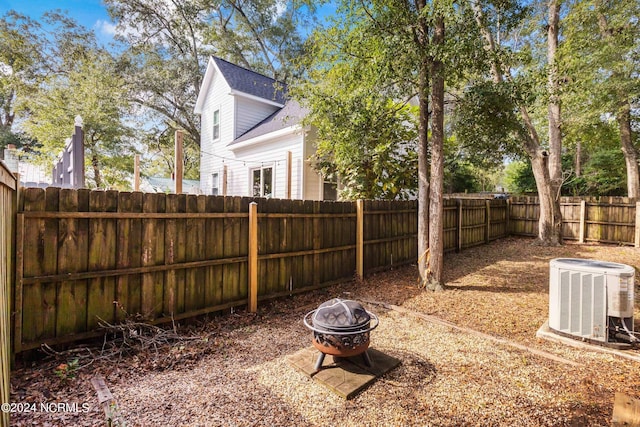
(89, 13)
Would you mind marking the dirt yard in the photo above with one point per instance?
(232, 371)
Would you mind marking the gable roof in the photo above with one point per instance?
(242, 82)
(290, 115)
(250, 82)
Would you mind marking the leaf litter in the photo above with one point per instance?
(231, 369)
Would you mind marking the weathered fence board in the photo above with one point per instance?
(8, 206)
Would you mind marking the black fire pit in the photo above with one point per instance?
(341, 328)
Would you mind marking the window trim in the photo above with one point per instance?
(251, 182)
(215, 184)
(216, 125)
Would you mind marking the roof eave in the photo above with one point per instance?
(265, 137)
(212, 68)
(256, 98)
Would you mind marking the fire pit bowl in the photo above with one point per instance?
(341, 328)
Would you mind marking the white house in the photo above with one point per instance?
(252, 143)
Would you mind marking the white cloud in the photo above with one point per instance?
(105, 28)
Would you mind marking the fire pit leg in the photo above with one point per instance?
(319, 361)
(367, 359)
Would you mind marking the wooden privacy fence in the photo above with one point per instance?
(87, 255)
(8, 185)
(604, 219)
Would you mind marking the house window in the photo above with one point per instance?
(262, 182)
(329, 186)
(216, 124)
(329, 190)
(215, 186)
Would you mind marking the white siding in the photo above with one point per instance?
(249, 113)
(211, 151)
(237, 115)
(269, 153)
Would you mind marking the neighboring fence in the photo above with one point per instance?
(603, 219)
(69, 170)
(8, 185)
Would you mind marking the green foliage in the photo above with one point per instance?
(92, 89)
(518, 177)
(461, 177)
(362, 84)
(67, 371)
(602, 175)
(167, 45)
(20, 67)
(160, 155)
(487, 122)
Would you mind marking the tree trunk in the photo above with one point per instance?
(421, 39)
(624, 123)
(436, 233)
(96, 171)
(423, 172)
(555, 135)
(550, 221)
(629, 150)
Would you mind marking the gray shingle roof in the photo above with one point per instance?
(291, 114)
(252, 83)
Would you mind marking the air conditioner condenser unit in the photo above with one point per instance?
(592, 300)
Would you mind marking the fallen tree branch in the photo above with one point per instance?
(442, 322)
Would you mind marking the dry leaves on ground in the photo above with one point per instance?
(233, 370)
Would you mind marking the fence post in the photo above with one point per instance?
(178, 162)
(136, 173)
(224, 180)
(360, 238)
(487, 232)
(289, 169)
(253, 257)
(583, 222)
(508, 216)
(637, 239)
(459, 226)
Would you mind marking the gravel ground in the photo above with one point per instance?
(235, 373)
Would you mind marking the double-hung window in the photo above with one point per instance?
(216, 124)
(215, 184)
(262, 182)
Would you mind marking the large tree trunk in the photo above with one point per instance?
(436, 233)
(550, 221)
(423, 173)
(421, 38)
(555, 135)
(629, 150)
